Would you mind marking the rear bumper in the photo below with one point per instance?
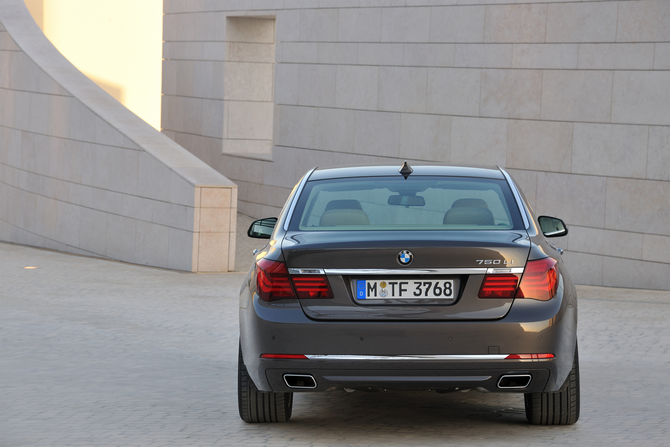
(410, 377)
(530, 327)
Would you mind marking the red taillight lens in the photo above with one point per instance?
(498, 286)
(272, 282)
(539, 280)
(284, 356)
(309, 286)
(529, 356)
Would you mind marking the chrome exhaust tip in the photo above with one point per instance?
(514, 381)
(300, 381)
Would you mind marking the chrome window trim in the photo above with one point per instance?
(409, 357)
(298, 191)
(517, 197)
(448, 271)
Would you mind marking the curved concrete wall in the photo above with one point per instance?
(82, 174)
(572, 97)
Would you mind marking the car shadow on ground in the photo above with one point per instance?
(409, 407)
(405, 418)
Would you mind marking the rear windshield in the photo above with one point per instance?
(418, 203)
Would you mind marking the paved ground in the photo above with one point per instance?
(100, 353)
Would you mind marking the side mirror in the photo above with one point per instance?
(552, 226)
(262, 228)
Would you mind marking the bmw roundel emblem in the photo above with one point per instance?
(405, 257)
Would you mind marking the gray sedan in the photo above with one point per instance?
(423, 278)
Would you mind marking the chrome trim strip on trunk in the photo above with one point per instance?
(449, 271)
(408, 357)
(306, 271)
(387, 272)
(298, 191)
(517, 197)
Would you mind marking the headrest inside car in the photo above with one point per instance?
(340, 217)
(344, 204)
(470, 202)
(468, 216)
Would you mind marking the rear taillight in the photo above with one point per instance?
(284, 356)
(274, 283)
(530, 356)
(539, 280)
(312, 286)
(498, 286)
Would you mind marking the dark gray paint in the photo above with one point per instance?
(514, 326)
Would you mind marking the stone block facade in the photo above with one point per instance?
(81, 174)
(571, 96)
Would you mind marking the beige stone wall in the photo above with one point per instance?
(82, 174)
(572, 97)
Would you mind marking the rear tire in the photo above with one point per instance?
(557, 408)
(259, 406)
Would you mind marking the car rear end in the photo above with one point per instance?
(434, 281)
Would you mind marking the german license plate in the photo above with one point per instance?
(405, 289)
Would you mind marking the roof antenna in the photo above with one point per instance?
(405, 170)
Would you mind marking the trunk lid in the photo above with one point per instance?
(365, 262)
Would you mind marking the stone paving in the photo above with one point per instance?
(101, 353)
